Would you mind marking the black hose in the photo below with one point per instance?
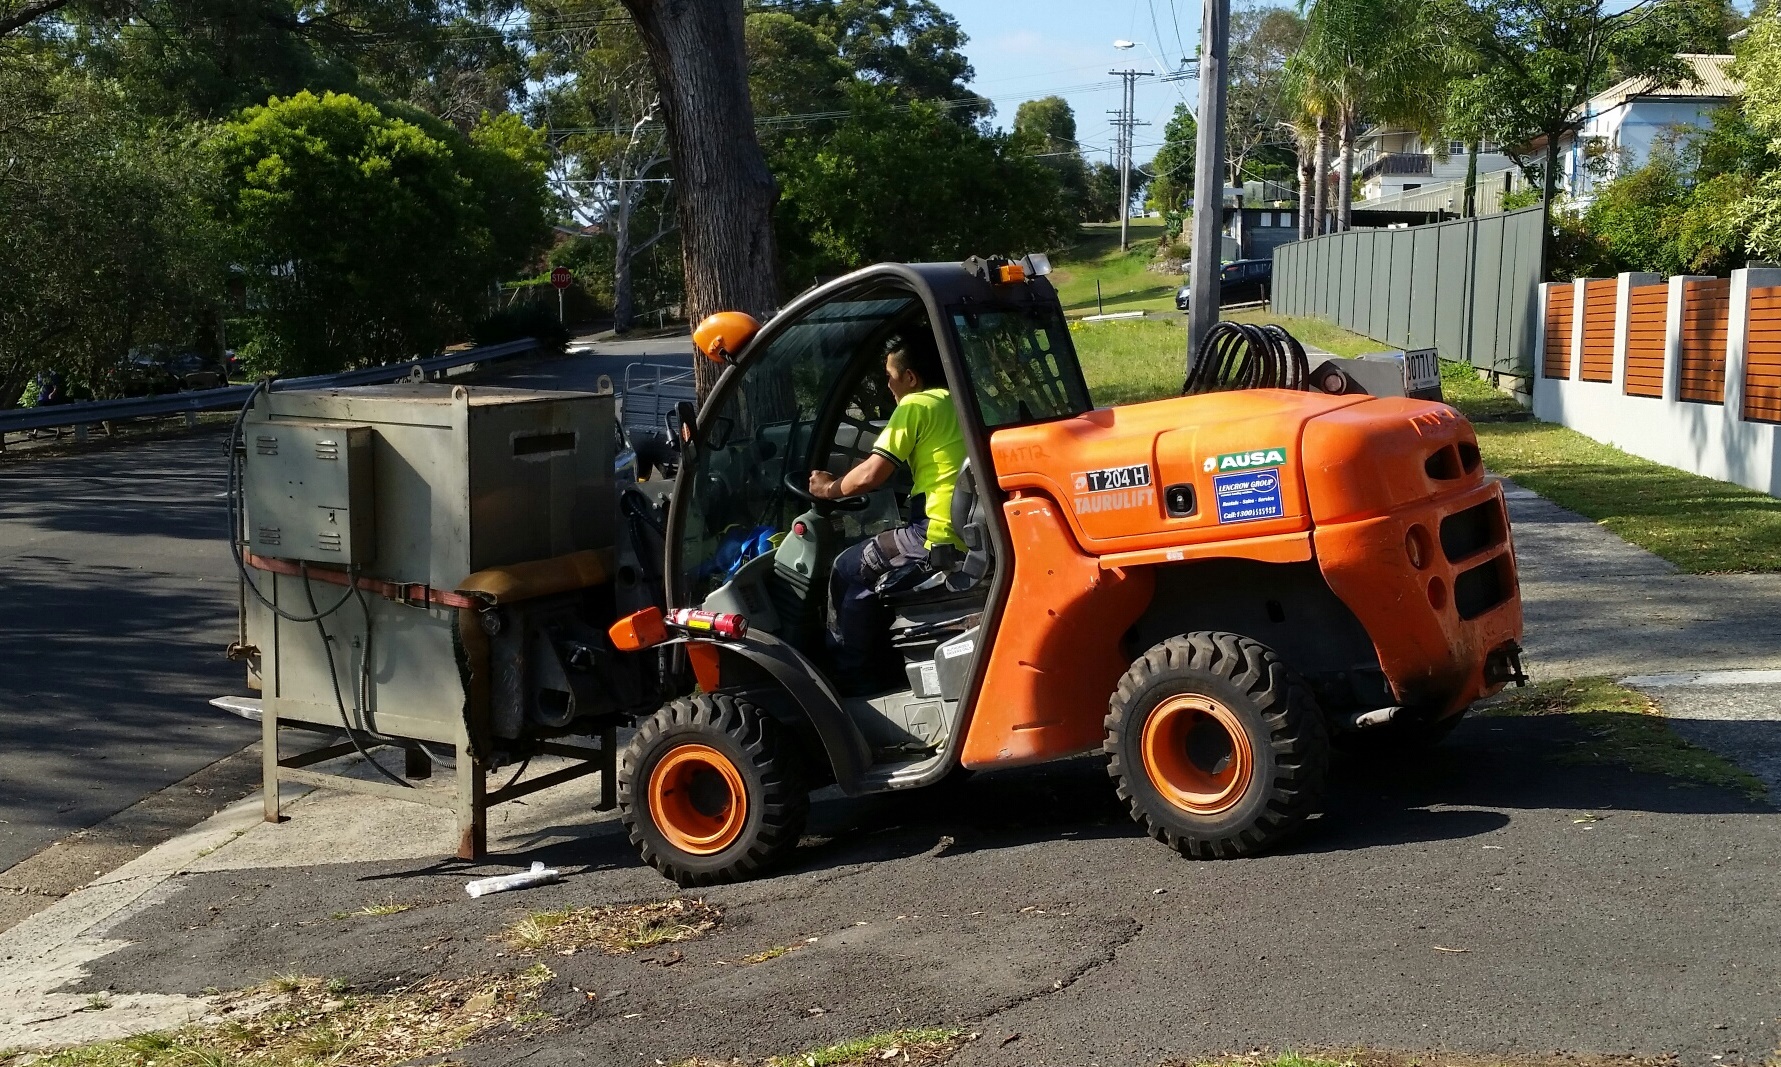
(1238, 355)
(334, 677)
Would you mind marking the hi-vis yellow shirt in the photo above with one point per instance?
(923, 435)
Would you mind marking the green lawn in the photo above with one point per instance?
(1126, 282)
(1128, 361)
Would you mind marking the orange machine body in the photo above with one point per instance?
(1386, 495)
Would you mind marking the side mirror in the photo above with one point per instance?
(682, 421)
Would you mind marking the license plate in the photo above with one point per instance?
(1136, 476)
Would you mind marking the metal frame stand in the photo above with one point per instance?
(470, 799)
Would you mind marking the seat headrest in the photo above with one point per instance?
(964, 497)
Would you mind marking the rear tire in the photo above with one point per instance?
(712, 789)
(1219, 750)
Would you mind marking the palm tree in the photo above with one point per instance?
(1377, 59)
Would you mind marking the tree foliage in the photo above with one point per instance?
(104, 246)
(1259, 103)
(911, 47)
(904, 182)
(1050, 124)
(436, 219)
(1172, 172)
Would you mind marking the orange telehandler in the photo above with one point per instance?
(1208, 588)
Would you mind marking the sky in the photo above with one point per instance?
(1065, 48)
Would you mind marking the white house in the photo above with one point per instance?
(1388, 161)
(1619, 124)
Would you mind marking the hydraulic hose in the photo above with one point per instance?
(1239, 355)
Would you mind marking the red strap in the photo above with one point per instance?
(414, 593)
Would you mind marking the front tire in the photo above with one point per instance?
(712, 789)
(1219, 750)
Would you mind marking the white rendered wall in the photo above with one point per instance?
(1707, 439)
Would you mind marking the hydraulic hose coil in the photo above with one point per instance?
(1238, 355)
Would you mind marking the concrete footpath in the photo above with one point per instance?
(1554, 907)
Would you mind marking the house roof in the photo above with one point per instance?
(1712, 81)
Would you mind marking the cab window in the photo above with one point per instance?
(813, 397)
(1021, 362)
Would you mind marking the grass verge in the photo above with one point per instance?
(1129, 361)
(305, 1022)
(614, 929)
(1625, 728)
(1127, 283)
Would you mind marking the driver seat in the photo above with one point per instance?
(947, 575)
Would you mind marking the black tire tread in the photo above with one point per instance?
(1297, 738)
(773, 758)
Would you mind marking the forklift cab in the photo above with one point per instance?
(808, 393)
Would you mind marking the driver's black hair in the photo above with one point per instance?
(916, 352)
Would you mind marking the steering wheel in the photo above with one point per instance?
(798, 484)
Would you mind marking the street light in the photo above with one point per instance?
(1125, 46)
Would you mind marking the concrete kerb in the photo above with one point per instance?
(50, 949)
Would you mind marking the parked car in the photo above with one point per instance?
(1241, 282)
(155, 369)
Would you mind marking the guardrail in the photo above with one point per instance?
(90, 412)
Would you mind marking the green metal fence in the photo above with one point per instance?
(1468, 287)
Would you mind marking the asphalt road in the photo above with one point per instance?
(1483, 899)
(117, 598)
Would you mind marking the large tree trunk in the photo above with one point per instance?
(1345, 175)
(724, 193)
(1320, 224)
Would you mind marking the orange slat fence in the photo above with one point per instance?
(1599, 304)
(1557, 361)
(1647, 317)
(1706, 313)
(1762, 357)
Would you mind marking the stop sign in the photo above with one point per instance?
(561, 278)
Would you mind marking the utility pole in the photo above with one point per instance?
(1215, 44)
(1125, 123)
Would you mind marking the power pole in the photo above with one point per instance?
(1125, 123)
(1215, 45)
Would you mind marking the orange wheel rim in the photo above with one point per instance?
(1197, 754)
(698, 799)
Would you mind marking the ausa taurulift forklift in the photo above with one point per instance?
(1208, 588)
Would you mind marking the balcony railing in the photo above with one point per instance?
(1398, 163)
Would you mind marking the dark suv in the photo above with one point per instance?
(1241, 282)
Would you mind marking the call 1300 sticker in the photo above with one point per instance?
(1114, 489)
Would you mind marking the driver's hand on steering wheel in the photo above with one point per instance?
(824, 485)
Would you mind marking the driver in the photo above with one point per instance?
(923, 437)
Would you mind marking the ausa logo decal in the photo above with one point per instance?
(1244, 461)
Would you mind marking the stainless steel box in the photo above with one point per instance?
(309, 492)
(465, 479)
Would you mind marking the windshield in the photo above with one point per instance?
(821, 375)
(1022, 364)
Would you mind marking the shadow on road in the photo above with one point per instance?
(1466, 787)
